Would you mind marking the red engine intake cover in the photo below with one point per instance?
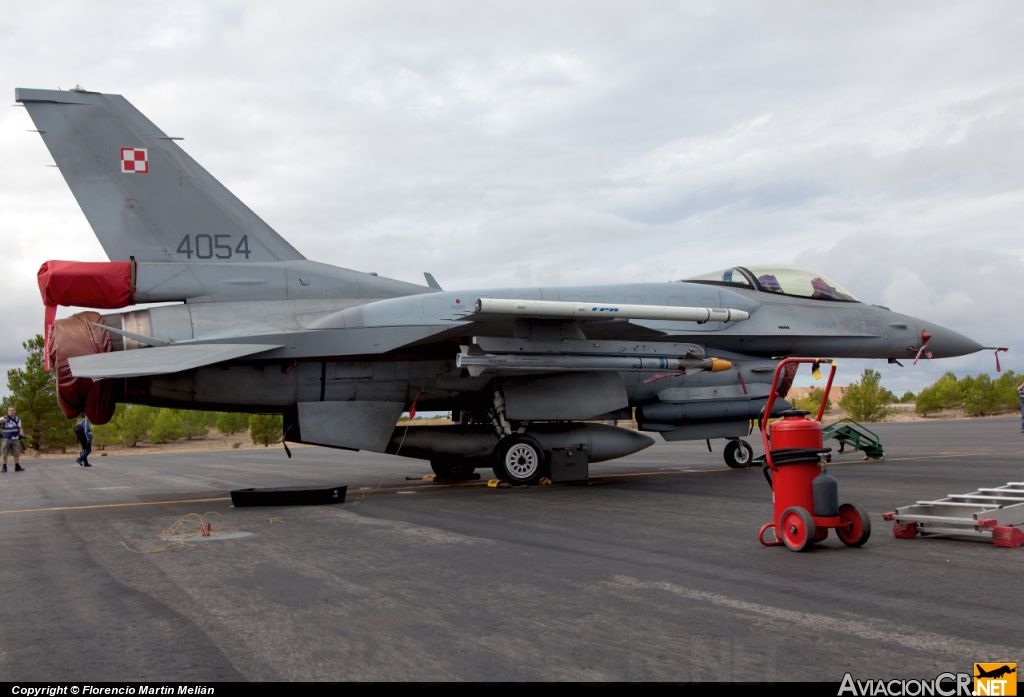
(77, 336)
(100, 284)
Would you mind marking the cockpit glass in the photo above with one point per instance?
(785, 280)
(792, 280)
(728, 277)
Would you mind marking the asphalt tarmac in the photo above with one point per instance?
(651, 572)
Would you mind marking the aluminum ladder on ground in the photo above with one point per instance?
(995, 514)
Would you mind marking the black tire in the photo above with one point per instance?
(452, 469)
(520, 460)
(860, 528)
(738, 454)
(796, 529)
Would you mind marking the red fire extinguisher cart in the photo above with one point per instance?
(805, 497)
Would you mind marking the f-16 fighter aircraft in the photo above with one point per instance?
(342, 354)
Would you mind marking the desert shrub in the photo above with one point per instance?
(135, 423)
(867, 400)
(167, 426)
(266, 428)
(193, 424)
(978, 395)
(812, 401)
(942, 394)
(1006, 389)
(232, 422)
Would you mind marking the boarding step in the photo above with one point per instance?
(851, 436)
(996, 514)
(857, 436)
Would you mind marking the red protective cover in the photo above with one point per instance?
(77, 336)
(101, 284)
(1007, 536)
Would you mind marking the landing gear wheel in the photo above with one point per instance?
(452, 470)
(520, 460)
(797, 529)
(858, 525)
(738, 454)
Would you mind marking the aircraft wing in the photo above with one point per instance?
(160, 360)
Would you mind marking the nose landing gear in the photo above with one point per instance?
(738, 454)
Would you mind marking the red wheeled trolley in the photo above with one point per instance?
(804, 496)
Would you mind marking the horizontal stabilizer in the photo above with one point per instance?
(159, 361)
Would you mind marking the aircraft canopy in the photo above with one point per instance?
(778, 278)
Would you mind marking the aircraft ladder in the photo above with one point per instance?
(995, 514)
(849, 432)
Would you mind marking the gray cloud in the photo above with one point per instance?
(559, 143)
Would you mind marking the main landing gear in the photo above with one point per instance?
(520, 460)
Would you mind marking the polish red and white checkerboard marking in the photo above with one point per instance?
(134, 161)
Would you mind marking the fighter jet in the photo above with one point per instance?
(254, 326)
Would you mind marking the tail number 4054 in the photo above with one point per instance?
(213, 246)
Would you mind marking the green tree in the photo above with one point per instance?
(907, 397)
(944, 393)
(977, 395)
(33, 393)
(108, 433)
(1006, 389)
(193, 424)
(135, 423)
(232, 422)
(980, 395)
(266, 428)
(867, 400)
(167, 426)
(812, 402)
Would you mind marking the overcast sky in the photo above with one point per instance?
(564, 143)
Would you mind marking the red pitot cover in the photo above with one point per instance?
(100, 284)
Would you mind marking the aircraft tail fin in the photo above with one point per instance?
(143, 195)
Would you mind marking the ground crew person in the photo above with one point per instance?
(12, 432)
(83, 432)
(1020, 391)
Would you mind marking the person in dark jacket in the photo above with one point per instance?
(83, 432)
(13, 434)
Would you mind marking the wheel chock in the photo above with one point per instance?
(1007, 536)
(429, 477)
(497, 484)
(544, 481)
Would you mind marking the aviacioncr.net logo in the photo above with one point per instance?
(995, 679)
(945, 685)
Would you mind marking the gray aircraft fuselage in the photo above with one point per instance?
(341, 353)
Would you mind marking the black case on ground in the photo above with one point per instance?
(288, 496)
(570, 464)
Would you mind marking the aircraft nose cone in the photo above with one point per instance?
(945, 343)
